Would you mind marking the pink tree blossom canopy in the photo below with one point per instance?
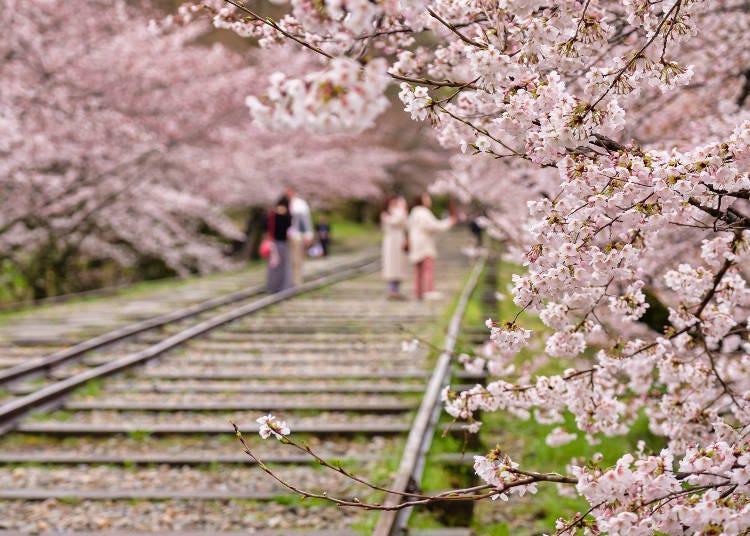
(120, 142)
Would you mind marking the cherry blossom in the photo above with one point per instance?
(123, 143)
(269, 425)
(607, 142)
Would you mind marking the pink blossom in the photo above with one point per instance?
(268, 426)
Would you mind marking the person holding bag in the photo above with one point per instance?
(276, 247)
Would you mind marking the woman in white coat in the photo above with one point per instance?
(395, 262)
(423, 226)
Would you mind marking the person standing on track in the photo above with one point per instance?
(279, 264)
(422, 226)
(300, 233)
(323, 230)
(395, 261)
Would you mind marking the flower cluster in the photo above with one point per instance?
(269, 425)
(497, 469)
(643, 494)
(342, 97)
(510, 338)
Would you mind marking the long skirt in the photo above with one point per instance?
(280, 274)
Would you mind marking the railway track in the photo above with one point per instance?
(132, 438)
(26, 351)
(56, 328)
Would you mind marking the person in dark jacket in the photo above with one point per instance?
(323, 230)
(279, 261)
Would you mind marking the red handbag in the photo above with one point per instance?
(266, 245)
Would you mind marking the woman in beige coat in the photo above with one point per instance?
(395, 263)
(423, 226)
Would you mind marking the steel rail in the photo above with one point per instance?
(43, 363)
(12, 412)
(392, 522)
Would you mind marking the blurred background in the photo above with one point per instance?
(129, 155)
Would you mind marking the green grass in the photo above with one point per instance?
(61, 415)
(139, 435)
(287, 500)
(10, 278)
(70, 500)
(351, 234)
(441, 476)
(92, 388)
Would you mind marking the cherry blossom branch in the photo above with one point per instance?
(482, 131)
(310, 46)
(579, 519)
(463, 494)
(739, 194)
(730, 216)
(434, 83)
(718, 376)
(545, 477)
(635, 57)
(472, 493)
(717, 280)
(270, 22)
(453, 29)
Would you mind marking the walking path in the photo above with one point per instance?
(151, 449)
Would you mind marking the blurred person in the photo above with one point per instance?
(300, 233)
(395, 265)
(323, 230)
(476, 231)
(422, 227)
(279, 264)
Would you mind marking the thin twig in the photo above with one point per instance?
(453, 29)
(272, 24)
